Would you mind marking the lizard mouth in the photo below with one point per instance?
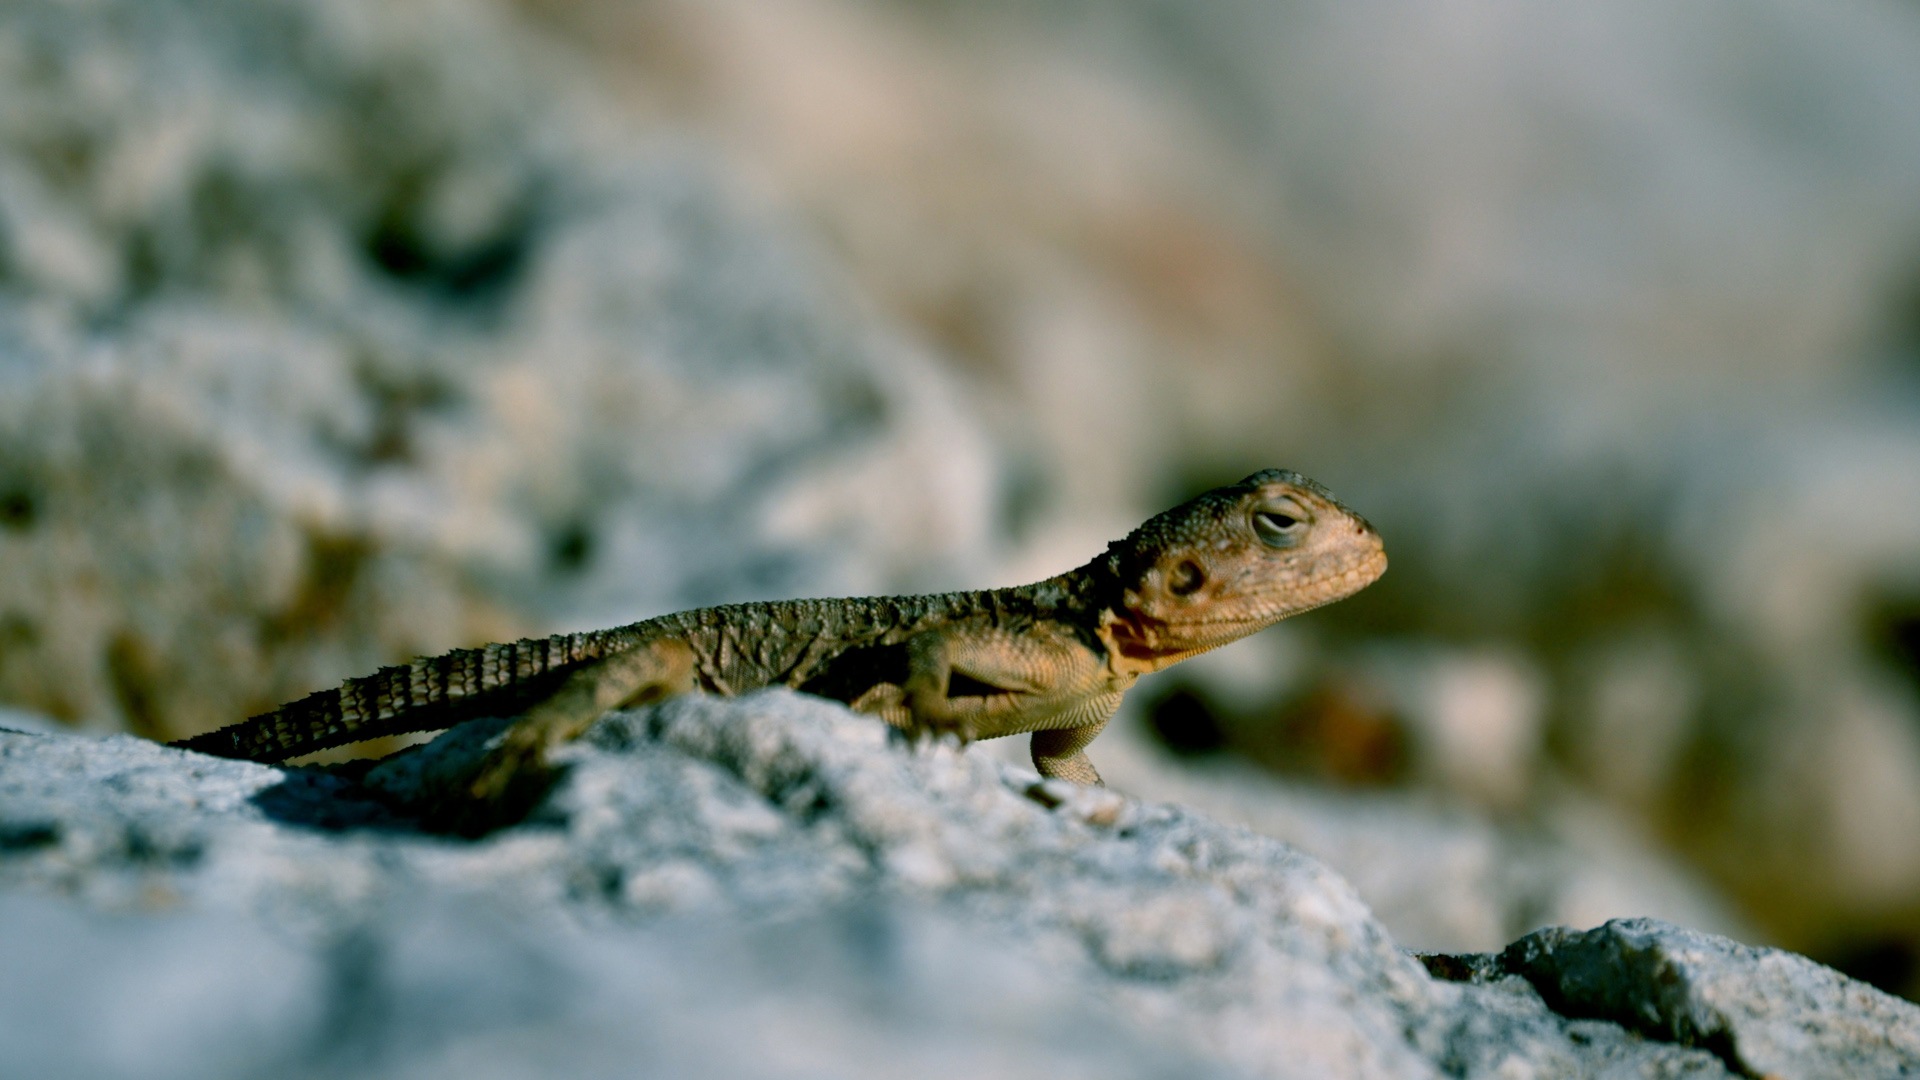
(1143, 636)
(1159, 640)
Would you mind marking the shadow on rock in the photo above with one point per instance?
(421, 789)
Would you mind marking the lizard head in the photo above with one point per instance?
(1235, 560)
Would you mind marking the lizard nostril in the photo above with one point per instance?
(1186, 579)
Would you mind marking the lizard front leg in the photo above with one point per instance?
(981, 683)
(1062, 752)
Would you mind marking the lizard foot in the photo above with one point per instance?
(511, 779)
(501, 789)
(913, 721)
(930, 721)
(914, 739)
(921, 729)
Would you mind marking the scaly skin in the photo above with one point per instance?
(1052, 658)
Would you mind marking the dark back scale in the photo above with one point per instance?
(800, 643)
(738, 647)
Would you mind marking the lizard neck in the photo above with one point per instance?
(1132, 640)
(1092, 598)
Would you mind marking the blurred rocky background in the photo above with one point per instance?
(336, 333)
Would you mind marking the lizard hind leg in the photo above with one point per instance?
(513, 776)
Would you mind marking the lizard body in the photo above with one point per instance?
(1052, 658)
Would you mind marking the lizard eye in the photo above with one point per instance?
(1279, 526)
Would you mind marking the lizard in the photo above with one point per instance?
(1052, 658)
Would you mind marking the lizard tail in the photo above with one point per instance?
(428, 694)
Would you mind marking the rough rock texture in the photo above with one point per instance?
(1440, 875)
(334, 334)
(1765, 1012)
(769, 887)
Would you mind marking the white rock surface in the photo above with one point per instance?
(1765, 1012)
(1440, 874)
(768, 887)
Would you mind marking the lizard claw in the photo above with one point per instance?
(917, 736)
(922, 735)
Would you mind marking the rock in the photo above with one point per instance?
(1440, 873)
(430, 987)
(764, 886)
(173, 995)
(1765, 1012)
(23, 722)
(334, 335)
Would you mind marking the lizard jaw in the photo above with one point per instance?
(1152, 643)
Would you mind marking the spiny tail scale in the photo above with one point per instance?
(431, 693)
